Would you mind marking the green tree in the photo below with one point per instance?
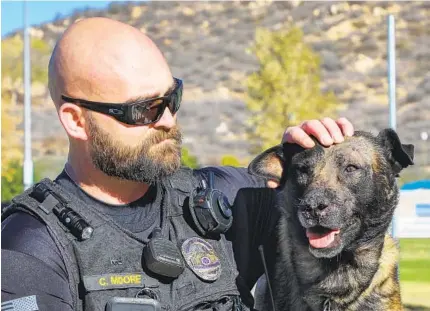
(286, 88)
(189, 160)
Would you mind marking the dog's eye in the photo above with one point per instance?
(351, 168)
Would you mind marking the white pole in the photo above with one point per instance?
(391, 62)
(391, 47)
(28, 162)
(392, 70)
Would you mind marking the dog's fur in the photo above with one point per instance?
(348, 193)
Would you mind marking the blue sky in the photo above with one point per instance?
(40, 12)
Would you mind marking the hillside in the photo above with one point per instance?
(206, 45)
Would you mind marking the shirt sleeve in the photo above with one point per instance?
(32, 264)
(254, 220)
(230, 179)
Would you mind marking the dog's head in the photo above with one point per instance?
(342, 196)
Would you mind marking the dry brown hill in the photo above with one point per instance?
(206, 44)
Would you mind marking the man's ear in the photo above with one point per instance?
(272, 163)
(400, 155)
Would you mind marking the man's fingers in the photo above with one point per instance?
(319, 131)
(327, 131)
(333, 129)
(296, 135)
(345, 126)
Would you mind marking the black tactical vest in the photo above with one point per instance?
(109, 263)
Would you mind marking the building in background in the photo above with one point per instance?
(413, 213)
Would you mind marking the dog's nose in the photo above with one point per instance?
(315, 202)
(315, 207)
(322, 206)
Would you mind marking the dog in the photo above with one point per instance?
(336, 203)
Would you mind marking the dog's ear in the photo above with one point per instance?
(400, 155)
(269, 164)
(272, 163)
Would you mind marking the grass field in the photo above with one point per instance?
(415, 273)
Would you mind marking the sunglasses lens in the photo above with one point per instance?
(151, 112)
(173, 103)
(175, 99)
(147, 113)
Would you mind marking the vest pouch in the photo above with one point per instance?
(120, 290)
(99, 300)
(135, 304)
(229, 303)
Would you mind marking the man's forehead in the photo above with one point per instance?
(162, 89)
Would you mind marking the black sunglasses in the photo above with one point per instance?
(138, 113)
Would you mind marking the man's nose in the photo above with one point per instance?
(167, 120)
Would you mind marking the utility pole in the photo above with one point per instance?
(391, 64)
(28, 161)
(392, 70)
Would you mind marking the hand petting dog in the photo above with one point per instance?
(327, 131)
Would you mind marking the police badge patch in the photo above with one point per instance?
(200, 256)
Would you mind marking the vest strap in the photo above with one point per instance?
(27, 204)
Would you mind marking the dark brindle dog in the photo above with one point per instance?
(337, 203)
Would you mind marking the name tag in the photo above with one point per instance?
(117, 280)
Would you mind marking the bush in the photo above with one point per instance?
(189, 160)
(229, 160)
(12, 180)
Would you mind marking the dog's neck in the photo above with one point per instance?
(386, 264)
(355, 268)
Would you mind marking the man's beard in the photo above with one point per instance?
(148, 162)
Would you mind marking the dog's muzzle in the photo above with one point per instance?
(319, 206)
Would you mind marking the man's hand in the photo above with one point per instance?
(327, 132)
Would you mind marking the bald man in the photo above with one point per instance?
(117, 223)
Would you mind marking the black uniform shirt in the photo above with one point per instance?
(32, 264)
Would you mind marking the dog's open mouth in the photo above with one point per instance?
(320, 237)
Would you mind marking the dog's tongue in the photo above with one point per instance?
(321, 240)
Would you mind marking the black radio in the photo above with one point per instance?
(210, 209)
(162, 256)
